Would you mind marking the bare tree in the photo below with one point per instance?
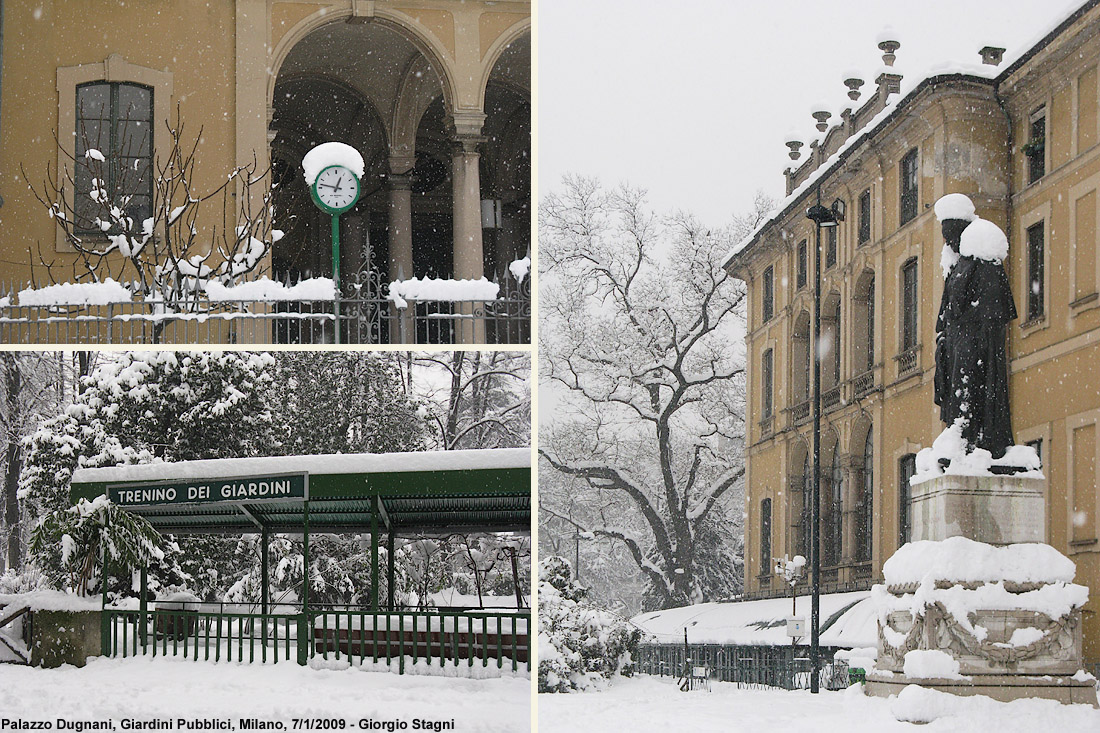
(485, 401)
(166, 252)
(641, 329)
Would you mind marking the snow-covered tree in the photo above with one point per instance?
(344, 402)
(90, 529)
(642, 330)
(141, 407)
(580, 644)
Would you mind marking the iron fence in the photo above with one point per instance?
(396, 638)
(753, 667)
(363, 315)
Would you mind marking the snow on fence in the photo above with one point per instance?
(261, 312)
(472, 637)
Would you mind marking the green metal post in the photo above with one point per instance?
(336, 272)
(265, 592)
(303, 618)
(374, 552)
(143, 606)
(105, 628)
(389, 570)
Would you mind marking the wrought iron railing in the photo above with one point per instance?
(831, 398)
(365, 317)
(786, 667)
(396, 638)
(800, 412)
(907, 361)
(864, 383)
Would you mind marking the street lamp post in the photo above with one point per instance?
(821, 217)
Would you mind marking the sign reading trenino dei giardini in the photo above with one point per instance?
(281, 487)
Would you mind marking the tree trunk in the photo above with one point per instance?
(13, 384)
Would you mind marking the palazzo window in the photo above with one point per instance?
(1035, 262)
(909, 305)
(114, 143)
(834, 514)
(765, 536)
(908, 202)
(803, 264)
(907, 468)
(767, 383)
(865, 217)
(865, 505)
(768, 306)
(830, 247)
(1035, 148)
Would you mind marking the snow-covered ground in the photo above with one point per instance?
(653, 704)
(166, 688)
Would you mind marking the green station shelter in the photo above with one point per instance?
(388, 495)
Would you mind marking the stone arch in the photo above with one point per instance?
(415, 33)
(415, 95)
(496, 50)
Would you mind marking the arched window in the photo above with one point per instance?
(864, 509)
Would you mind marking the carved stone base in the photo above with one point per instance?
(998, 510)
(1002, 687)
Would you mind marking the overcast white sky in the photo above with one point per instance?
(692, 100)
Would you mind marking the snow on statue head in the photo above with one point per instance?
(955, 206)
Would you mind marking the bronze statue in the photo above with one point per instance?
(971, 363)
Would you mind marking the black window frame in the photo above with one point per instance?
(1035, 148)
(830, 246)
(865, 216)
(117, 157)
(907, 468)
(767, 287)
(803, 265)
(1036, 271)
(909, 188)
(765, 536)
(767, 384)
(909, 296)
(871, 325)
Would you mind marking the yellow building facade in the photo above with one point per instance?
(1021, 140)
(435, 94)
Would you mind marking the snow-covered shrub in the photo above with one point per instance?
(580, 645)
(28, 579)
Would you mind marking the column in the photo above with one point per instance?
(469, 256)
(401, 247)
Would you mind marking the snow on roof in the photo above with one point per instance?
(908, 89)
(457, 460)
(764, 622)
(326, 154)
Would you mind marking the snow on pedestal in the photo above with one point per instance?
(969, 618)
(968, 498)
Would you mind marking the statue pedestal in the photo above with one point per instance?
(997, 510)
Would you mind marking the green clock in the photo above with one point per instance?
(335, 190)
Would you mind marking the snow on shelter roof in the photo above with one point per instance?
(427, 492)
(848, 620)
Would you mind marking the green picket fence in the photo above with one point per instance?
(478, 637)
(395, 638)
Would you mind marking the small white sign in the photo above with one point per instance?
(796, 627)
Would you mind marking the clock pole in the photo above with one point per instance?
(336, 272)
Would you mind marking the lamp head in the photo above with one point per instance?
(821, 216)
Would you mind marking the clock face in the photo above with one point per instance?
(337, 188)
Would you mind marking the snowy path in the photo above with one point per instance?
(166, 688)
(651, 704)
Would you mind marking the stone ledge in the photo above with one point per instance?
(998, 510)
(1004, 688)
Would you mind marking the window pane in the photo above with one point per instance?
(135, 138)
(865, 216)
(907, 468)
(802, 264)
(93, 101)
(95, 132)
(1035, 294)
(134, 102)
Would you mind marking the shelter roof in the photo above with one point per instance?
(428, 492)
